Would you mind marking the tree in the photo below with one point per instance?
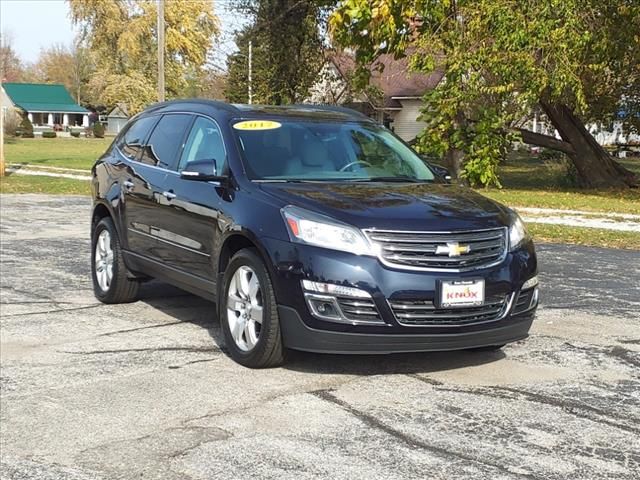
(71, 66)
(26, 128)
(287, 50)
(122, 38)
(577, 60)
(11, 67)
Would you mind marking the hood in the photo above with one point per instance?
(395, 206)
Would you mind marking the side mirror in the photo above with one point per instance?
(204, 170)
(443, 172)
(437, 169)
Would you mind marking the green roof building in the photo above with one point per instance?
(45, 104)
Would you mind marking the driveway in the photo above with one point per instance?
(145, 390)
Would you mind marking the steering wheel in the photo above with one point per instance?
(367, 164)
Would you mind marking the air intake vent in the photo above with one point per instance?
(359, 309)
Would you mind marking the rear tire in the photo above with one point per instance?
(248, 313)
(111, 279)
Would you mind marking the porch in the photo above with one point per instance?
(59, 121)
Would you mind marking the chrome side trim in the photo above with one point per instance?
(155, 237)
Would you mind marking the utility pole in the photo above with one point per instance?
(161, 50)
(1, 112)
(1, 126)
(250, 62)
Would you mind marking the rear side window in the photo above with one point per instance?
(165, 143)
(131, 142)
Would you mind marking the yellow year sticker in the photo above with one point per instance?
(257, 125)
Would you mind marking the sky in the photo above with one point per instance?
(34, 24)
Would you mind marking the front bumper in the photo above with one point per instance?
(298, 336)
(303, 331)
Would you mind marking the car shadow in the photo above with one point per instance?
(185, 307)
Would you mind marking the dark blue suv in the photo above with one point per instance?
(312, 228)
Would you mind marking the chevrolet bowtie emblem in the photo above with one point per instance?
(453, 249)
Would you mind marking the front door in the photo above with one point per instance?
(195, 208)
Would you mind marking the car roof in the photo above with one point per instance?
(300, 111)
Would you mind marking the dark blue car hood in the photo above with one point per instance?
(401, 206)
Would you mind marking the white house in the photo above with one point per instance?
(45, 104)
(394, 97)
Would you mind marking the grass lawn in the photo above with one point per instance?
(12, 183)
(544, 233)
(528, 182)
(78, 153)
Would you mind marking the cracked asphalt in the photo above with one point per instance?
(145, 390)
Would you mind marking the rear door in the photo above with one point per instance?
(147, 195)
(194, 213)
(134, 183)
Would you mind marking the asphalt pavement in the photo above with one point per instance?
(145, 390)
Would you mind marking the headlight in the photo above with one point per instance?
(517, 233)
(315, 229)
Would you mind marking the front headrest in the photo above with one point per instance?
(314, 155)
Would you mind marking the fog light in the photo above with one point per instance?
(333, 289)
(532, 282)
(323, 307)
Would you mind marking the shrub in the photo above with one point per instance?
(75, 134)
(49, 135)
(98, 130)
(12, 124)
(26, 128)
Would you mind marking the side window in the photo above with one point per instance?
(165, 142)
(131, 141)
(204, 143)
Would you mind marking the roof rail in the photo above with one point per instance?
(203, 101)
(333, 108)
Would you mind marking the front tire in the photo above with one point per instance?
(111, 282)
(488, 348)
(249, 314)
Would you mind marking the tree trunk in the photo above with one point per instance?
(454, 156)
(453, 160)
(595, 167)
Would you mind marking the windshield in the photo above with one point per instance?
(326, 151)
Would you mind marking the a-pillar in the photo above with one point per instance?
(50, 119)
(85, 120)
(30, 117)
(65, 119)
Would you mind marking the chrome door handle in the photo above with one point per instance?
(128, 185)
(169, 195)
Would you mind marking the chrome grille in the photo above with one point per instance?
(359, 309)
(436, 250)
(424, 312)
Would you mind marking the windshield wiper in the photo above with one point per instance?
(400, 179)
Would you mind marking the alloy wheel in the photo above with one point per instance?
(103, 261)
(244, 308)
